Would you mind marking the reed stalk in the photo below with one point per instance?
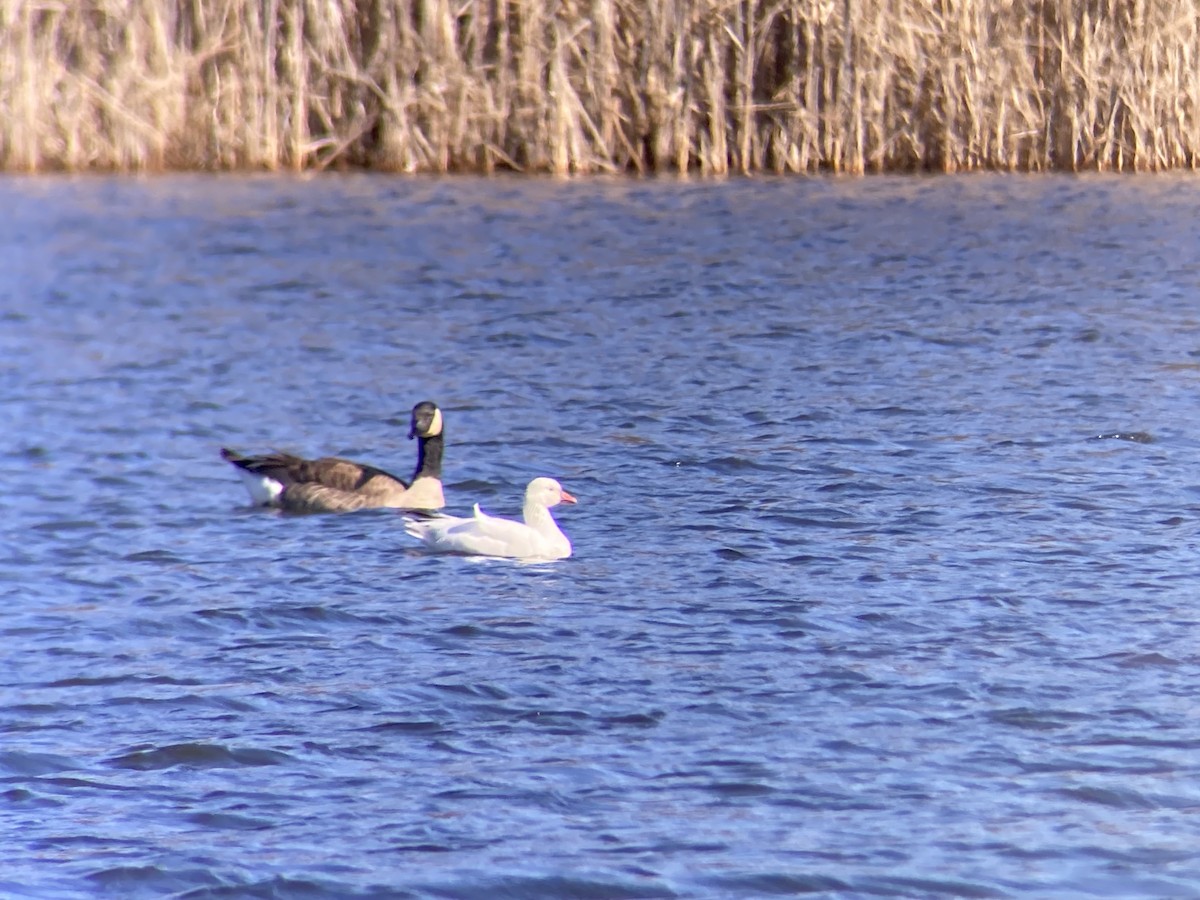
(581, 86)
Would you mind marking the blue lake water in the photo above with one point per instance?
(862, 602)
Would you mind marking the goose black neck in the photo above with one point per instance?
(429, 457)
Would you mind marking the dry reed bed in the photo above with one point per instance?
(600, 85)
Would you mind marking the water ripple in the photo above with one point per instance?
(883, 581)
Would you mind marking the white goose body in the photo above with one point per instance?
(538, 537)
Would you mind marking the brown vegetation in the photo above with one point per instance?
(600, 85)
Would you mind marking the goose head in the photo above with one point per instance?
(547, 492)
(426, 420)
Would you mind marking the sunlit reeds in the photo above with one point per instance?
(600, 85)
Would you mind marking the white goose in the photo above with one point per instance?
(538, 537)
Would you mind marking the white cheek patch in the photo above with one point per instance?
(435, 427)
(263, 491)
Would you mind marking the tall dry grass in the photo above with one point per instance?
(600, 85)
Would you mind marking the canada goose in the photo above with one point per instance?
(331, 484)
(538, 537)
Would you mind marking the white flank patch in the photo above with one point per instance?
(263, 491)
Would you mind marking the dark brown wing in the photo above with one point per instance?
(330, 471)
(346, 475)
(313, 498)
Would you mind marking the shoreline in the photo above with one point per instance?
(604, 87)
